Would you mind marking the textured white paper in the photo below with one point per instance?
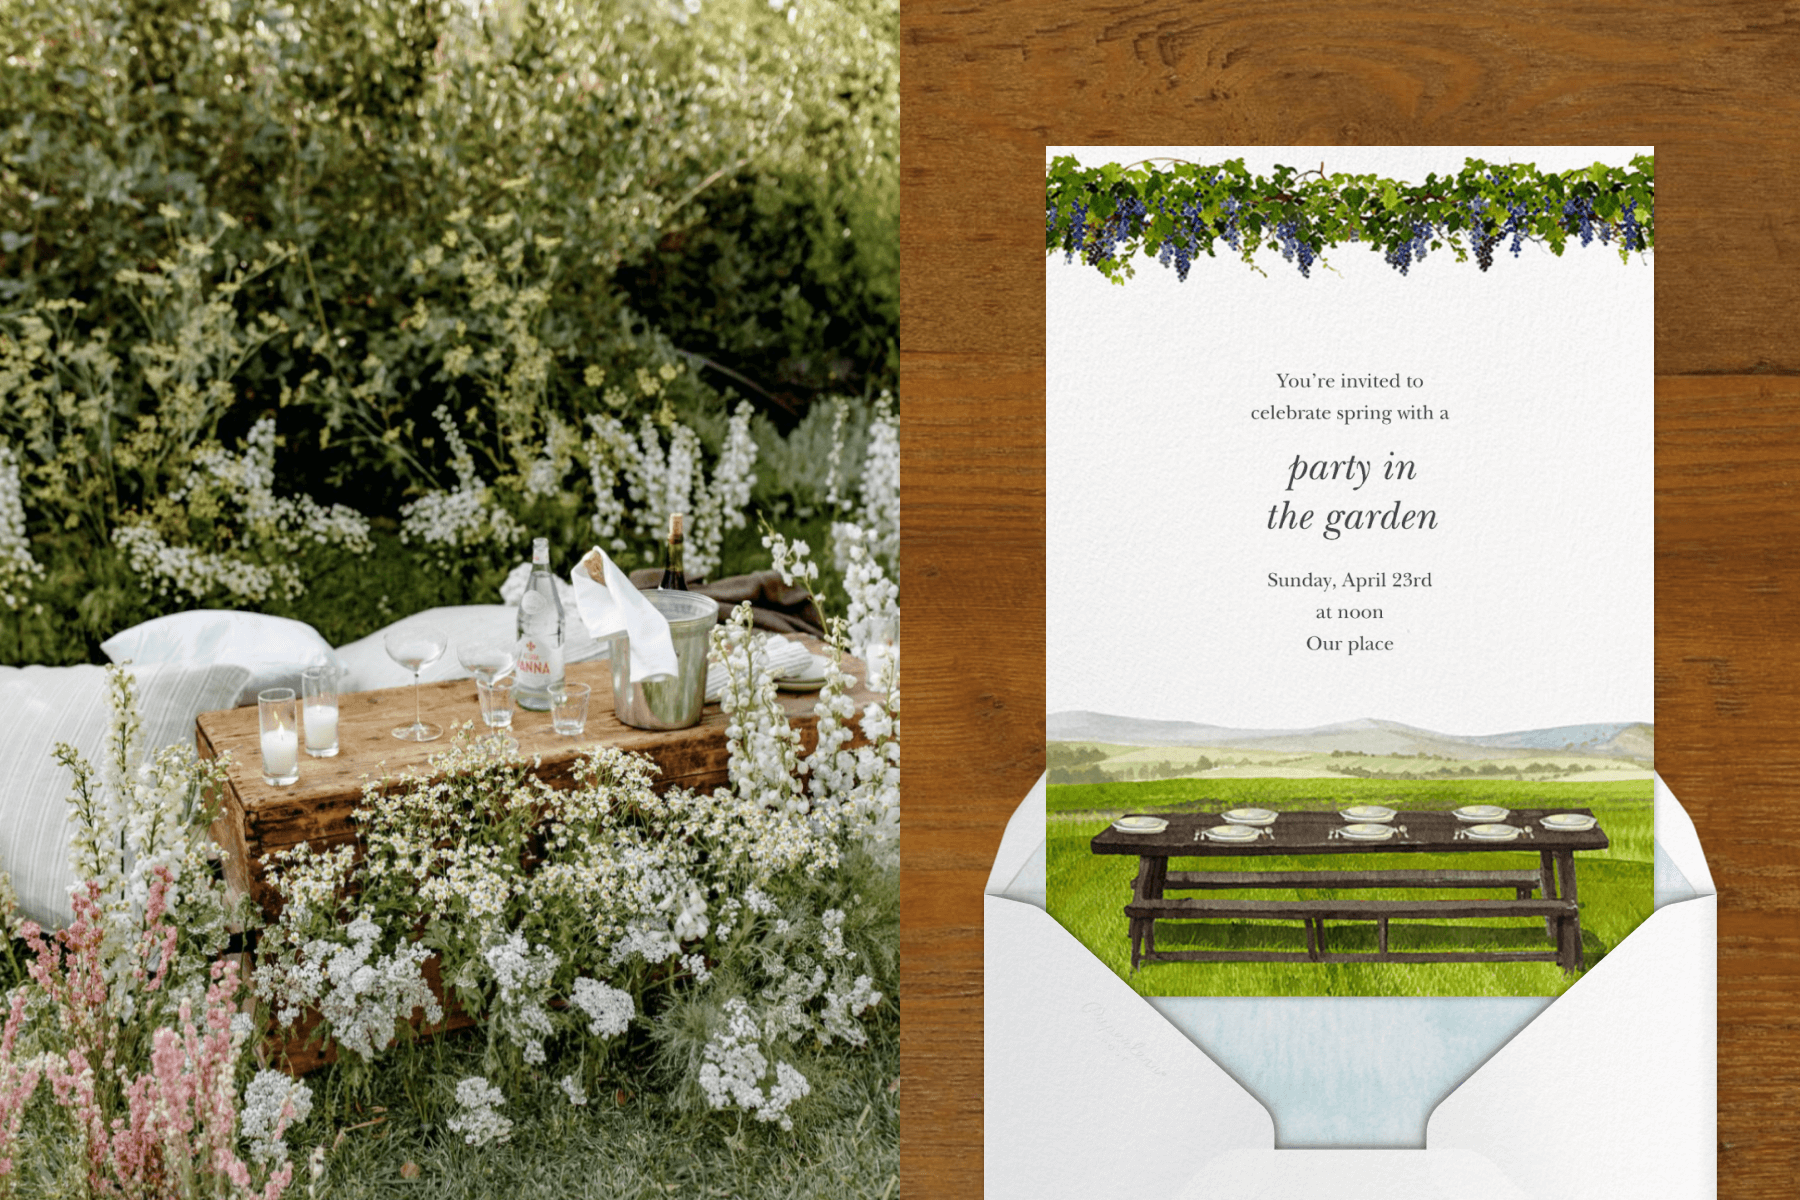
(1540, 609)
(1537, 462)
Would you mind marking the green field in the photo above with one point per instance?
(1087, 892)
(1118, 762)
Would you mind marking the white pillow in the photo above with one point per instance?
(367, 665)
(47, 705)
(275, 649)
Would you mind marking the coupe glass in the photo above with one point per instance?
(415, 649)
(486, 661)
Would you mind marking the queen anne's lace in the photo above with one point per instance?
(535, 893)
(273, 1103)
(523, 975)
(479, 1121)
(364, 996)
(609, 1009)
(735, 1068)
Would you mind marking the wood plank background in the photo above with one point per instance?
(1711, 85)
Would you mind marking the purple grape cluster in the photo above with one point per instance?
(1631, 233)
(1480, 240)
(1077, 233)
(1518, 220)
(1294, 248)
(1402, 256)
(1580, 218)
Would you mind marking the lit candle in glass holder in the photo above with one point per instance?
(275, 710)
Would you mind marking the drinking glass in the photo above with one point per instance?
(496, 703)
(497, 710)
(319, 710)
(416, 648)
(568, 708)
(280, 736)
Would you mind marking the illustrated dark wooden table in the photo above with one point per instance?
(1321, 833)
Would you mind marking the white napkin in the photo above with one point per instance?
(617, 607)
(784, 658)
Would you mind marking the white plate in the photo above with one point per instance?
(1493, 833)
(1568, 822)
(1249, 816)
(1369, 833)
(1368, 812)
(1140, 825)
(1486, 814)
(1232, 833)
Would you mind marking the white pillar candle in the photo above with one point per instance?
(281, 752)
(321, 726)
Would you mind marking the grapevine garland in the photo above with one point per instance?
(1172, 210)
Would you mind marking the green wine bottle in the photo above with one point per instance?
(673, 579)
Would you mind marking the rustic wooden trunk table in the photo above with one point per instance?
(256, 819)
(1320, 833)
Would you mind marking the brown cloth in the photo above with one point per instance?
(775, 606)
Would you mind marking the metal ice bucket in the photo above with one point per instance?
(667, 703)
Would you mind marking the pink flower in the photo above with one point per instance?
(172, 1126)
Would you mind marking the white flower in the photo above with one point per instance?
(523, 976)
(478, 1122)
(273, 1104)
(609, 1009)
(17, 567)
(642, 477)
(463, 517)
(363, 1002)
(276, 528)
(840, 1007)
(873, 620)
(734, 1068)
(880, 513)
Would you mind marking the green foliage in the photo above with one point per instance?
(346, 215)
(1175, 210)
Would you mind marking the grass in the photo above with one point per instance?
(845, 1142)
(1087, 892)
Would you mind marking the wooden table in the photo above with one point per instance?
(1318, 833)
(256, 819)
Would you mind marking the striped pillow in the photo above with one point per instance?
(46, 705)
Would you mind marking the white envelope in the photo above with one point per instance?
(1608, 1091)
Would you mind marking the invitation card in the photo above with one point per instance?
(1351, 819)
(1382, 675)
